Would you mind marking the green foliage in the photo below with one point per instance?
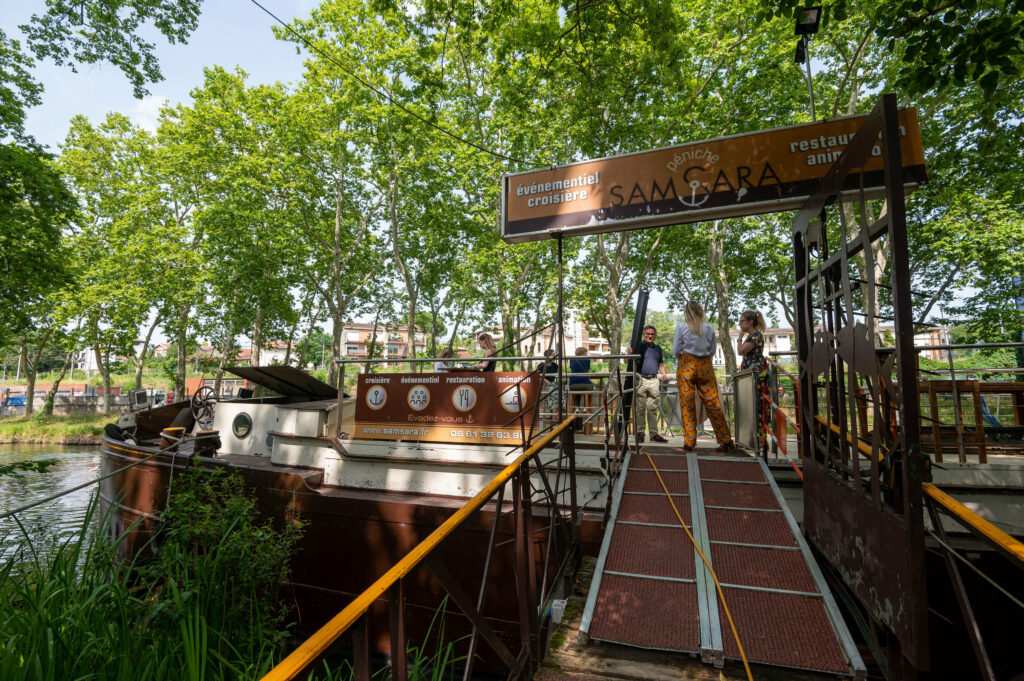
(205, 608)
(76, 33)
(16, 469)
(35, 208)
(940, 44)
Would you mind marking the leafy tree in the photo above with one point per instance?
(75, 33)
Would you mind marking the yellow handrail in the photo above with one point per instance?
(975, 522)
(863, 448)
(322, 639)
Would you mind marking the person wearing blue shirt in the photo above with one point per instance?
(579, 378)
(652, 375)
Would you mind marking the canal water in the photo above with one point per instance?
(58, 518)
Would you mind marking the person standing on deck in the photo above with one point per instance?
(693, 345)
(652, 375)
(751, 348)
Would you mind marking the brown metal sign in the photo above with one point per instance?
(459, 407)
(760, 172)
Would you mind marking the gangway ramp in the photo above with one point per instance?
(652, 590)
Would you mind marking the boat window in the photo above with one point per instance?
(241, 426)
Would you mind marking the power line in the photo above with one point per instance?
(385, 95)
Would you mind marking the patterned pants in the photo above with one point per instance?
(696, 373)
(647, 394)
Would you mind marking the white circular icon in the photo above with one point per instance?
(419, 397)
(376, 396)
(512, 399)
(464, 398)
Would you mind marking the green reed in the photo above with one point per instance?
(205, 607)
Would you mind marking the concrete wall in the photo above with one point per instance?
(66, 406)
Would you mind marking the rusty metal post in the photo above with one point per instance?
(467, 671)
(527, 610)
(569, 447)
(361, 649)
(560, 333)
(341, 397)
(396, 619)
(971, 623)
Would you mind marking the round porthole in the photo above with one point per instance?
(241, 426)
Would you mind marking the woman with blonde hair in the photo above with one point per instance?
(693, 346)
(486, 343)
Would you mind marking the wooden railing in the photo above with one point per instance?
(390, 583)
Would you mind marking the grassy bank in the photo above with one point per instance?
(80, 429)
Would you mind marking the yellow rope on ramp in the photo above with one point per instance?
(718, 586)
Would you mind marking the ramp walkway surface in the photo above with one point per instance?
(652, 590)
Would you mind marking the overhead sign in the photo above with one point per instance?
(462, 407)
(759, 172)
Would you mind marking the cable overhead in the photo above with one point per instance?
(380, 93)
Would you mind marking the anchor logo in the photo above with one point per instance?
(693, 202)
(376, 397)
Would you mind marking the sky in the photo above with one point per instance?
(230, 33)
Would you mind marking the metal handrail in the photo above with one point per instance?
(324, 638)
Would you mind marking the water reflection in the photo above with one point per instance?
(60, 517)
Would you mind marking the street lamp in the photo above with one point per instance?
(807, 22)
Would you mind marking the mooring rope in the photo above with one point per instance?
(707, 563)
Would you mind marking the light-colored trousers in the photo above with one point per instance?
(648, 393)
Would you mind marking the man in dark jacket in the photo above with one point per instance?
(652, 375)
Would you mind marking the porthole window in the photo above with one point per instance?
(241, 426)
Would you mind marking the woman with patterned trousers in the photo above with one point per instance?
(693, 346)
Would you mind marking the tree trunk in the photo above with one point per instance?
(225, 354)
(31, 365)
(104, 366)
(140, 361)
(30, 378)
(304, 351)
(52, 392)
(337, 334)
(257, 338)
(721, 286)
(179, 375)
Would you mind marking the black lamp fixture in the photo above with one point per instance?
(807, 21)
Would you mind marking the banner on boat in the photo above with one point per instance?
(758, 172)
(457, 407)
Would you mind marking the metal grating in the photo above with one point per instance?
(653, 509)
(654, 551)
(647, 481)
(748, 527)
(773, 568)
(664, 462)
(647, 613)
(730, 470)
(782, 629)
(741, 496)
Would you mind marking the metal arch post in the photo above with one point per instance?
(560, 333)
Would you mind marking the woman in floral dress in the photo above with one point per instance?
(751, 348)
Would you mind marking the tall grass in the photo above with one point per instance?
(204, 608)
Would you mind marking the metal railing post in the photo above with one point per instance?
(396, 620)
